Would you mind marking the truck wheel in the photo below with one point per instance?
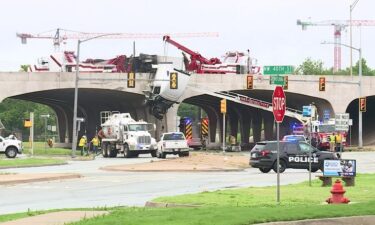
(153, 153)
(163, 155)
(113, 153)
(104, 150)
(11, 152)
(265, 170)
(282, 166)
(127, 153)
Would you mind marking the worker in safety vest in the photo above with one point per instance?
(82, 144)
(338, 140)
(95, 144)
(332, 142)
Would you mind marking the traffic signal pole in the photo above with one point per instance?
(223, 132)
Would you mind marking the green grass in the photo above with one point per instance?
(40, 149)
(247, 206)
(24, 162)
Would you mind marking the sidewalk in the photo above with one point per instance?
(56, 218)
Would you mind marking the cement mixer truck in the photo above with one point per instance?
(120, 133)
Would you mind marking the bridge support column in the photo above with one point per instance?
(170, 121)
(233, 121)
(268, 121)
(212, 123)
(256, 125)
(245, 123)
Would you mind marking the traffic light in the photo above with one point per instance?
(173, 82)
(131, 80)
(250, 82)
(322, 83)
(223, 105)
(362, 104)
(285, 87)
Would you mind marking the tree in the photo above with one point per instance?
(311, 67)
(13, 112)
(366, 71)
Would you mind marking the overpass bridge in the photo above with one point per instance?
(108, 91)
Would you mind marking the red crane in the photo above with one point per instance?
(234, 62)
(339, 26)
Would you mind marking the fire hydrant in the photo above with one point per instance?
(337, 194)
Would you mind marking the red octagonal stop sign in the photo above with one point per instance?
(278, 104)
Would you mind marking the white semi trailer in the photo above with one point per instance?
(122, 134)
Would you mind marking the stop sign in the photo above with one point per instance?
(278, 104)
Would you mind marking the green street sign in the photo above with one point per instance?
(277, 80)
(275, 70)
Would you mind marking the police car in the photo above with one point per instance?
(293, 154)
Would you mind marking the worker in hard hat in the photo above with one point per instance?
(82, 144)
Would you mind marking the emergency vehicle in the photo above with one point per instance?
(293, 154)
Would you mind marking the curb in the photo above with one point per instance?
(169, 205)
(21, 181)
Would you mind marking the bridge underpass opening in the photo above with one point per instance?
(248, 119)
(90, 103)
(368, 122)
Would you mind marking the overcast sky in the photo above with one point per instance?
(266, 27)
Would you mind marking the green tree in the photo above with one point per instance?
(13, 112)
(312, 67)
(366, 71)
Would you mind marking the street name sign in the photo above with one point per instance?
(277, 80)
(275, 70)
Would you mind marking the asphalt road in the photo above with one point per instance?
(105, 188)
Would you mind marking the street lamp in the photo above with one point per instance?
(351, 50)
(360, 140)
(75, 133)
(45, 116)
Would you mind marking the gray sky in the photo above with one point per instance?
(266, 27)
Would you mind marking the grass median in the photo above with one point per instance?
(40, 149)
(27, 162)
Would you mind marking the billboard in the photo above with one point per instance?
(340, 168)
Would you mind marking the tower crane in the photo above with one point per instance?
(65, 61)
(338, 27)
(60, 35)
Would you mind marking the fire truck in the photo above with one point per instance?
(320, 133)
(196, 133)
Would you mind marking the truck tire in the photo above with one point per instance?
(11, 152)
(163, 155)
(113, 153)
(127, 153)
(153, 153)
(104, 150)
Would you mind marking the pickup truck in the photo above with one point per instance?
(172, 143)
(10, 146)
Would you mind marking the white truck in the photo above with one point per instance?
(10, 146)
(122, 134)
(172, 143)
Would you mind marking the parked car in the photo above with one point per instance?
(10, 146)
(172, 143)
(293, 154)
(195, 143)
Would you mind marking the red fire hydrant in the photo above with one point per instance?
(337, 194)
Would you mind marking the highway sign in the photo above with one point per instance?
(326, 114)
(278, 104)
(277, 80)
(342, 122)
(273, 70)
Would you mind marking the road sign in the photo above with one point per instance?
(326, 114)
(278, 104)
(306, 110)
(277, 80)
(342, 122)
(274, 70)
